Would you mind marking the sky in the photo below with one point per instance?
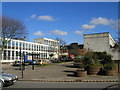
(66, 20)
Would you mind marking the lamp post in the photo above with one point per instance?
(21, 61)
(23, 67)
(20, 58)
(32, 62)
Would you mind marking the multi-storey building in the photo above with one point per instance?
(53, 45)
(101, 42)
(15, 46)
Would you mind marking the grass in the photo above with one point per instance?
(49, 64)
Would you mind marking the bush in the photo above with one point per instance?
(104, 57)
(110, 66)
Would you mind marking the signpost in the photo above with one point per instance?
(30, 58)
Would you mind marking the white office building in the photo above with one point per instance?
(101, 42)
(13, 48)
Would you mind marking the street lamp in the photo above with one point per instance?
(32, 62)
(21, 61)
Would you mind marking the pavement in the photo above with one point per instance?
(55, 73)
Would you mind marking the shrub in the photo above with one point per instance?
(110, 66)
(104, 57)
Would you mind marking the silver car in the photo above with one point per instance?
(9, 79)
(1, 83)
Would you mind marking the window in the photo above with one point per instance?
(12, 53)
(23, 44)
(29, 46)
(41, 47)
(17, 54)
(9, 43)
(8, 55)
(13, 43)
(4, 54)
(16, 45)
(35, 47)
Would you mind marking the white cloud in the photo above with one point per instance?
(33, 16)
(46, 18)
(79, 32)
(86, 26)
(38, 33)
(59, 32)
(101, 21)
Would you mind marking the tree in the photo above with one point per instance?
(51, 55)
(10, 28)
(117, 39)
(62, 41)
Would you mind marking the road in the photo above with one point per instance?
(23, 84)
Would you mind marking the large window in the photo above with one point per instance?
(17, 54)
(16, 45)
(8, 55)
(4, 54)
(35, 47)
(12, 55)
(9, 43)
(13, 43)
(41, 47)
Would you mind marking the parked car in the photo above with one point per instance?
(34, 62)
(55, 61)
(44, 62)
(18, 63)
(9, 79)
(1, 83)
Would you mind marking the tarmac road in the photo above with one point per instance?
(23, 84)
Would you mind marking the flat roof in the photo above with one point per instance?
(98, 33)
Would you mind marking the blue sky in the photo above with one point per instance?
(66, 20)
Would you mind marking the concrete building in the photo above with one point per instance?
(54, 45)
(100, 42)
(12, 49)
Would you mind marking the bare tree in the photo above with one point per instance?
(117, 44)
(62, 41)
(10, 28)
